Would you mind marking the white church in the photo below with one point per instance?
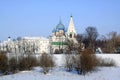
(60, 36)
(57, 41)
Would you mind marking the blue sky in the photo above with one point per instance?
(39, 17)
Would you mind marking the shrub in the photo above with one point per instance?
(57, 51)
(26, 63)
(13, 65)
(70, 61)
(78, 64)
(3, 62)
(86, 62)
(46, 62)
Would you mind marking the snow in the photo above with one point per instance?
(60, 58)
(103, 73)
(59, 73)
(115, 57)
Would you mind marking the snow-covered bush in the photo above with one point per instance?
(46, 62)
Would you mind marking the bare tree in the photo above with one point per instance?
(91, 34)
(80, 39)
(113, 41)
(71, 47)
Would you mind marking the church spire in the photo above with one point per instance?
(60, 20)
(71, 15)
(71, 33)
(71, 27)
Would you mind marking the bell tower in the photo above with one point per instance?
(71, 33)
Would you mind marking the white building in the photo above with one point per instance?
(26, 45)
(41, 44)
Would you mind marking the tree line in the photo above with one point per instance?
(109, 43)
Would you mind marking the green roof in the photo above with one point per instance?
(59, 43)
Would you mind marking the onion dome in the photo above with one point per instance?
(60, 26)
(57, 30)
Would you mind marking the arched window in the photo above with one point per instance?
(70, 35)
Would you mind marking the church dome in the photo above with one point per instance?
(60, 26)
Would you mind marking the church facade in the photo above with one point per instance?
(60, 36)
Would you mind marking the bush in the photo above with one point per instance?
(78, 64)
(13, 66)
(26, 63)
(70, 61)
(57, 51)
(106, 62)
(86, 62)
(3, 62)
(46, 62)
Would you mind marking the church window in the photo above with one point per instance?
(70, 35)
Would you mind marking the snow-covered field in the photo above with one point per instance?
(115, 57)
(104, 73)
(60, 58)
(59, 73)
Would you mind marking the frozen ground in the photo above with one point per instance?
(103, 73)
(60, 58)
(59, 73)
(115, 57)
